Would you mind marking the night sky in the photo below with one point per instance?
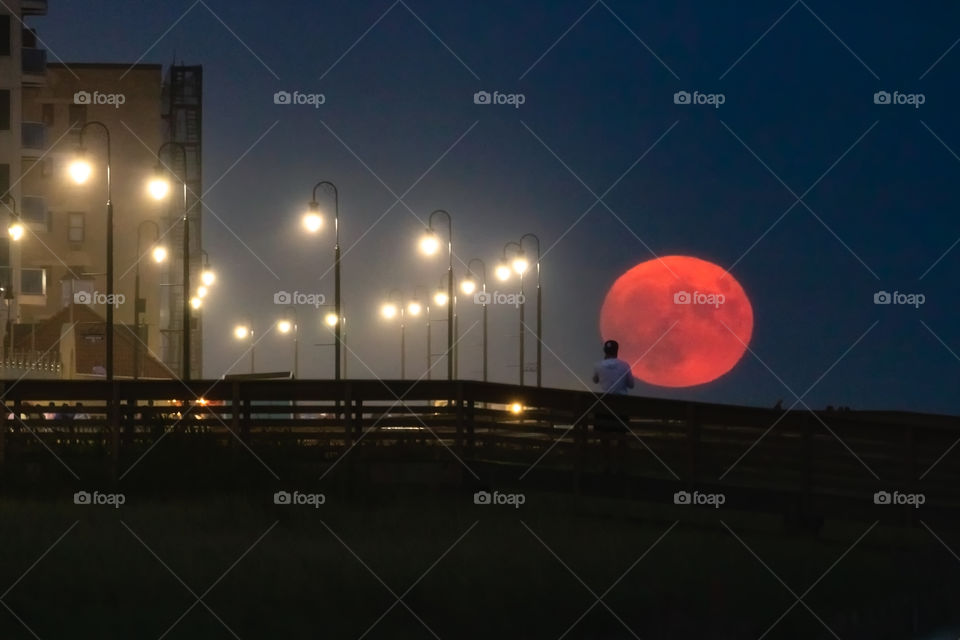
(877, 182)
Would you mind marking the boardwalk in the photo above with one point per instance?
(796, 462)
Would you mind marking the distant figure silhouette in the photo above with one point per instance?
(779, 405)
(614, 377)
(612, 374)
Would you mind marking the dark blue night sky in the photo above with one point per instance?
(877, 181)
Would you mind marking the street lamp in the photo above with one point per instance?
(313, 222)
(159, 188)
(430, 245)
(286, 326)
(80, 170)
(524, 264)
(518, 265)
(390, 310)
(469, 287)
(159, 254)
(244, 332)
(16, 228)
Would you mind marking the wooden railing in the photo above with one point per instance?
(758, 457)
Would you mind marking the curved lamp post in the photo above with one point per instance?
(159, 254)
(243, 332)
(390, 310)
(469, 287)
(430, 244)
(312, 222)
(504, 270)
(159, 188)
(534, 237)
(286, 326)
(80, 170)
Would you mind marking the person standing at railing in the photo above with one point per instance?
(615, 378)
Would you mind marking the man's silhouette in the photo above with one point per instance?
(614, 377)
(612, 374)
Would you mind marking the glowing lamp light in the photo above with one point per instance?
(502, 272)
(158, 187)
(16, 231)
(202, 292)
(414, 308)
(312, 221)
(429, 243)
(208, 277)
(330, 319)
(80, 170)
(241, 332)
(285, 326)
(441, 298)
(516, 407)
(520, 264)
(468, 286)
(196, 302)
(389, 311)
(159, 254)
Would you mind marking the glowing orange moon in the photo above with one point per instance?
(708, 310)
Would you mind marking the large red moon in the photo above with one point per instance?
(680, 321)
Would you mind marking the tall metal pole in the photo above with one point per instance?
(403, 345)
(533, 236)
(186, 317)
(337, 329)
(137, 311)
(521, 305)
(450, 298)
(483, 288)
(429, 359)
(110, 305)
(519, 249)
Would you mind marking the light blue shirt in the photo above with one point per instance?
(613, 375)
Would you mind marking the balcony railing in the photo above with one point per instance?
(34, 61)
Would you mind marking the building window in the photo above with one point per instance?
(5, 110)
(78, 115)
(33, 282)
(46, 167)
(47, 114)
(4, 180)
(5, 34)
(76, 222)
(33, 209)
